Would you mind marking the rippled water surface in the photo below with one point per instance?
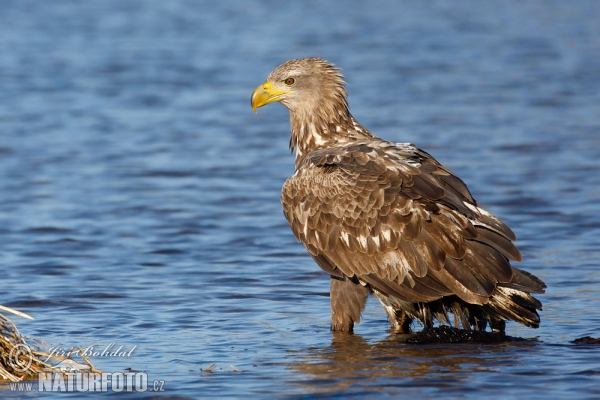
(139, 194)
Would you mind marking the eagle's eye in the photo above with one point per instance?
(289, 81)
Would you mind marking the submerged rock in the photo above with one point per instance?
(586, 340)
(447, 334)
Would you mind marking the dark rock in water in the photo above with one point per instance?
(586, 340)
(447, 334)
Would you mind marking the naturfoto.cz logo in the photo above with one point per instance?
(73, 376)
(89, 382)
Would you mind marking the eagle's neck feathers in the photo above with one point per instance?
(324, 126)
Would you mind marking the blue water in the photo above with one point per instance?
(139, 194)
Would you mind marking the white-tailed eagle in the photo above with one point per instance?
(386, 218)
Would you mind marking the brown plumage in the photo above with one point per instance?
(386, 218)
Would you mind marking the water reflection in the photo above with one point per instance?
(351, 360)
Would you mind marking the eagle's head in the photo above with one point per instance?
(304, 85)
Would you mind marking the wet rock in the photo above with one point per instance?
(447, 334)
(586, 340)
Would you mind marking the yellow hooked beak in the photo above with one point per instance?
(265, 94)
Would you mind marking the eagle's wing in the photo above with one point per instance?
(394, 217)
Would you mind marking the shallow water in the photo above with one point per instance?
(140, 195)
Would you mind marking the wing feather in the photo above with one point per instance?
(395, 218)
(499, 242)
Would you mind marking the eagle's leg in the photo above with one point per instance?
(400, 320)
(348, 298)
(404, 322)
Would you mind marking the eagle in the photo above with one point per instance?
(388, 219)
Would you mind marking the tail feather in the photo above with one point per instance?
(507, 301)
(513, 304)
(505, 304)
